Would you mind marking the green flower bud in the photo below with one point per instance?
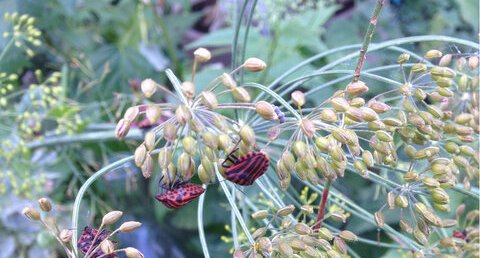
(299, 148)
(323, 144)
(419, 94)
(209, 99)
(418, 68)
(140, 155)
(303, 229)
(361, 167)
(228, 81)
(401, 201)
(403, 58)
(260, 214)
(383, 136)
(288, 160)
(339, 104)
(369, 114)
(324, 233)
(224, 142)
(265, 110)
(247, 135)
(368, 158)
(203, 174)
(170, 132)
(210, 140)
(164, 157)
(433, 53)
(440, 196)
(254, 64)
(189, 145)
(420, 237)
(443, 72)
(285, 211)
(348, 235)
(328, 115)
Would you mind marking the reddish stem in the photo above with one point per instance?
(323, 203)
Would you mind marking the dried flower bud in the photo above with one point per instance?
(285, 249)
(340, 245)
(147, 166)
(202, 55)
(140, 155)
(348, 235)
(66, 235)
(111, 217)
(260, 214)
(298, 98)
(303, 229)
(405, 226)
(149, 140)
(265, 245)
(31, 213)
(45, 204)
(339, 104)
(185, 165)
(247, 135)
(131, 114)
(445, 60)
(339, 217)
(164, 157)
(403, 58)
(379, 219)
(182, 114)
(107, 246)
(188, 89)
(240, 94)
(210, 140)
(298, 245)
(228, 81)
(129, 226)
(433, 53)
(149, 87)
(473, 62)
(306, 209)
(254, 64)
(170, 132)
(122, 128)
(460, 210)
(266, 110)
(287, 210)
(356, 88)
(378, 106)
(420, 237)
(308, 127)
(328, 115)
(133, 253)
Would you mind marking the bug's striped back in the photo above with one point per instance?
(248, 168)
(180, 195)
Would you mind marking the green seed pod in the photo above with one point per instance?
(324, 233)
(210, 140)
(312, 176)
(285, 249)
(392, 122)
(228, 81)
(265, 110)
(259, 232)
(369, 114)
(354, 114)
(367, 158)
(418, 68)
(325, 168)
(209, 99)
(340, 135)
(265, 245)
(189, 145)
(328, 115)
(260, 214)
(247, 135)
(323, 144)
(376, 125)
(433, 53)
(379, 219)
(224, 142)
(443, 72)
(442, 207)
(405, 226)
(420, 237)
(288, 160)
(444, 92)
(300, 149)
(340, 245)
(220, 122)
(239, 254)
(357, 102)
(240, 94)
(467, 150)
(337, 154)
(182, 114)
(462, 82)
(383, 136)
(203, 174)
(339, 104)
(443, 82)
(131, 114)
(301, 169)
(418, 254)
(463, 130)
(419, 94)
(361, 167)
(298, 245)
(403, 58)
(164, 157)
(435, 111)
(339, 217)
(463, 118)
(348, 235)
(140, 155)
(309, 160)
(378, 106)
(303, 229)
(440, 196)
(306, 209)
(285, 211)
(401, 201)
(185, 166)
(430, 182)
(170, 132)
(405, 89)
(409, 106)
(285, 182)
(447, 223)
(447, 242)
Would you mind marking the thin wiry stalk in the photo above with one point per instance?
(238, 25)
(245, 35)
(201, 233)
(232, 204)
(176, 84)
(368, 38)
(233, 223)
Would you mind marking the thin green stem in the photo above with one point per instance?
(201, 233)
(238, 25)
(6, 49)
(176, 85)
(368, 38)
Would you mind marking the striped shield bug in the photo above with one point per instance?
(179, 194)
(246, 169)
(85, 243)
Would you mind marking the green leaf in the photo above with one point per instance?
(223, 37)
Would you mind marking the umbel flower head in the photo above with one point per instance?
(197, 136)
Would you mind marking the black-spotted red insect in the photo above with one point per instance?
(246, 169)
(179, 194)
(85, 243)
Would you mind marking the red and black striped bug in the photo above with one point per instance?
(246, 169)
(85, 243)
(179, 194)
